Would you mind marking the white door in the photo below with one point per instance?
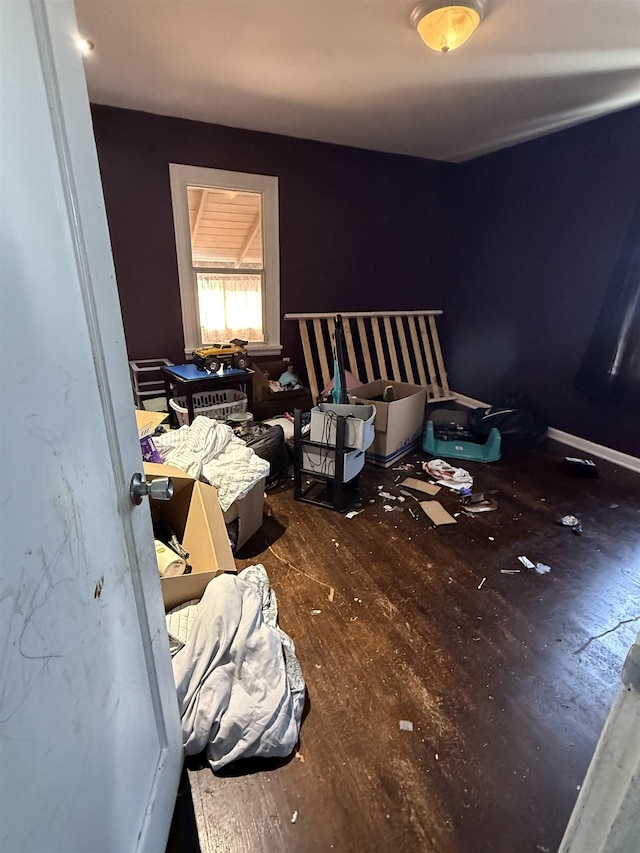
(89, 730)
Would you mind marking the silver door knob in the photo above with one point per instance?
(160, 489)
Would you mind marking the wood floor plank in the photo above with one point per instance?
(497, 673)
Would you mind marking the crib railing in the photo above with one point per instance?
(399, 345)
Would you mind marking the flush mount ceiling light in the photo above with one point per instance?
(445, 27)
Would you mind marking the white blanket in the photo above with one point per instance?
(209, 449)
(240, 687)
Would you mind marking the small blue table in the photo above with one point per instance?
(187, 379)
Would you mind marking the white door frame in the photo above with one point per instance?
(606, 817)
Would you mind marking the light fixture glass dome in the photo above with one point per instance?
(445, 27)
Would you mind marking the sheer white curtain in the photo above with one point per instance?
(230, 307)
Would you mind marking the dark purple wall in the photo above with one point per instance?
(537, 231)
(517, 247)
(358, 230)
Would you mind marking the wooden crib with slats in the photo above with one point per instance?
(402, 346)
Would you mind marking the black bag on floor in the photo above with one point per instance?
(267, 442)
(516, 419)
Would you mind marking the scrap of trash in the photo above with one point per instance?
(456, 479)
(480, 501)
(437, 513)
(571, 521)
(419, 486)
(408, 494)
(406, 726)
(389, 497)
(581, 467)
(541, 568)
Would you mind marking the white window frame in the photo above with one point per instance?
(181, 177)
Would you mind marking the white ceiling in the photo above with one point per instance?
(355, 72)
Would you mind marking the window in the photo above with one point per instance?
(226, 226)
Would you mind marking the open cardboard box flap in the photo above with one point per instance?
(265, 372)
(195, 516)
(148, 421)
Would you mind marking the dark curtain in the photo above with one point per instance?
(610, 369)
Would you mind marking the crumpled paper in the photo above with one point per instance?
(444, 474)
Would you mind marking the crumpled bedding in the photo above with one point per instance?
(209, 449)
(240, 687)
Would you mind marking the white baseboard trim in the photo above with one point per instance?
(575, 441)
(593, 449)
(469, 402)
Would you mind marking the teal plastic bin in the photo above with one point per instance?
(462, 449)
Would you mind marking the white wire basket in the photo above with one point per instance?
(212, 404)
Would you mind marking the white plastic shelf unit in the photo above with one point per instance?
(328, 490)
(147, 379)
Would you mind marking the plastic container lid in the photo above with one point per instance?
(240, 418)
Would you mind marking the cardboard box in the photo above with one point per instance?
(147, 422)
(360, 431)
(248, 510)
(268, 403)
(398, 425)
(195, 515)
(322, 461)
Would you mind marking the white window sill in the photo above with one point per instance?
(254, 350)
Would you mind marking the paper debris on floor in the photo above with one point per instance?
(445, 474)
(437, 513)
(540, 568)
(408, 494)
(571, 521)
(484, 507)
(480, 501)
(406, 726)
(460, 488)
(420, 486)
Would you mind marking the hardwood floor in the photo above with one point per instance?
(507, 681)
